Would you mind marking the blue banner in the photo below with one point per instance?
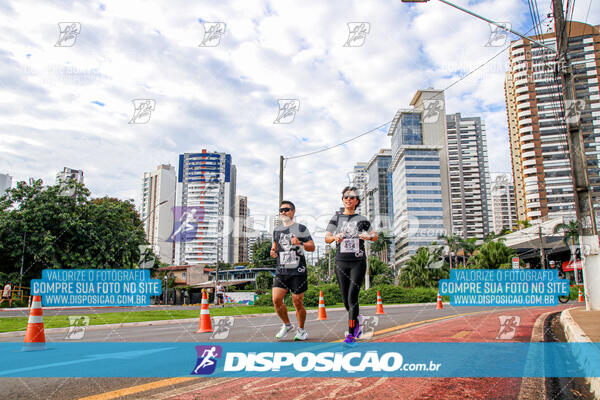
(503, 287)
(95, 287)
(299, 360)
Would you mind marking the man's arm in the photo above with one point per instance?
(274, 250)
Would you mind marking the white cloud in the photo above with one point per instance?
(225, 98)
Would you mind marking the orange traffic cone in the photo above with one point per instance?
(205, 324)
(322, 314)
(439, 302)
(580, 297)
(35, 339)
(379, 304)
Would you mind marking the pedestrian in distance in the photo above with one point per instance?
(349, 231)
(219, 293)
(290, 240)
(7, 294)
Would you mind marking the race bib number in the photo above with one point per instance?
(349, 246)
(288, 258)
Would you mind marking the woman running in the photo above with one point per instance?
(349, 231)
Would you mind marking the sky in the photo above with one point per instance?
(69, 101)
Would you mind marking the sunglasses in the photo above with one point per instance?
(285, 209)
(350, 197)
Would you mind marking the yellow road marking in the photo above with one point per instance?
(461, 334)
(137, 389)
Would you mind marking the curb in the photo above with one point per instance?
(574, 333)
(530, 387)
(182, 321)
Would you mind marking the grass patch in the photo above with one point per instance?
(12, 324)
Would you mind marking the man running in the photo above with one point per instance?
(289, 241)
(350, 230)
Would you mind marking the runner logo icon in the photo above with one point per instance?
(207, 359)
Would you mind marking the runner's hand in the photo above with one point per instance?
(273, 253)
(295, 241)
(365, 236)
(339, 237)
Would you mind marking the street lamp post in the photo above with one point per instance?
(166, 290)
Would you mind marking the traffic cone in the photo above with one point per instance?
(322, 314)
(439, 302)
(580, 297)
(35, 339)
(379, 304)
(205, 324)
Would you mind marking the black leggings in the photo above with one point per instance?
(350, 276)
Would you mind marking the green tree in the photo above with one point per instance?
(468, 246)
(379, 272)
(492, 255)
(61, 227)
(261, 255)
(453, 244)
(522, 224)
(380, 246)
(419, 270)
(570, 232)
(264, 282)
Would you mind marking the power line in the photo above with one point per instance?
(386, 123)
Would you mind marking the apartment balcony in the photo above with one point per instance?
(522, 97)
(528, 163)
(526, 129)
(524, 113)
(523, 105)
(528, 154)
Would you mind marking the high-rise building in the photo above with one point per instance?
(158, 202)
(536, 118)
(240, 231)
(379, 204)
(503, 203)
(5, 183)
(469, 176)
(359, 179)
(205, 199)
(515, 147)
(67, 174)
(419, 167)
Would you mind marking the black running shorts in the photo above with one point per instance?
(296, 284)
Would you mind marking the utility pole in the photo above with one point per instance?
(583, 199)
(280, 180)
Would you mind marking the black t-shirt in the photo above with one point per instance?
(290, 258)
(351, 248)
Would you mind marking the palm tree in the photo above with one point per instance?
(380, 246)
(492, 255)
(468, 246)
(417, 271)
(570, 232)
(452, 241)
(522, 224)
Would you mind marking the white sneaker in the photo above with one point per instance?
(301, 334)
(283, 332)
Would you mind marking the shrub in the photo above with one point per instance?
(391, 294)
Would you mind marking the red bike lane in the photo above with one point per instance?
(499, 325)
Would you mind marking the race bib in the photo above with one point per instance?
(288, 258)
(349, 246)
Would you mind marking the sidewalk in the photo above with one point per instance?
(584, 326)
